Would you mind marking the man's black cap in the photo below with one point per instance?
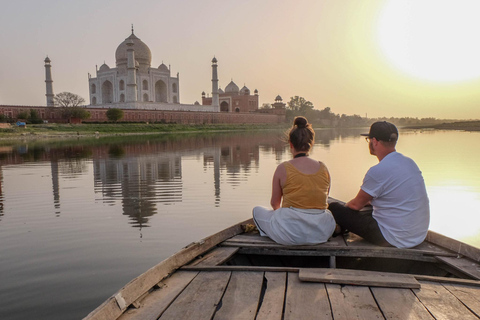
(383, 131)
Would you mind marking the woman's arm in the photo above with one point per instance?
(278, 180)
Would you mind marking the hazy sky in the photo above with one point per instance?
(373, 57)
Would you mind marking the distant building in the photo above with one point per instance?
(133, 79)
(149, 94)
(234, 99)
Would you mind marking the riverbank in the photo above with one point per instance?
(55, 130)
(457, 125)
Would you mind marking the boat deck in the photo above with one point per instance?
(251, 277)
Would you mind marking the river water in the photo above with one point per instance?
(79, 219)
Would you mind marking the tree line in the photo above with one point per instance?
(72, 107)
(299, 106)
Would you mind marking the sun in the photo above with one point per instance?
(435, 40)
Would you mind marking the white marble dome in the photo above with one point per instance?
(104, 67)
(142, 52)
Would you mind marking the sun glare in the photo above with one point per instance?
(434, 40)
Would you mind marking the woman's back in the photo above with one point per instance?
(306, 184)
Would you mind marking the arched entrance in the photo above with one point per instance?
(224, 106)
(107, 92)
(160, 91)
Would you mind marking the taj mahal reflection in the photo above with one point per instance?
(144, 175)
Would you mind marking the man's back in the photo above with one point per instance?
(400, 202)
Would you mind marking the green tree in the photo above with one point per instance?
(75, 112)
(114, 114)
(34, 117)
(266, 106)
(22, 115)
(300, 104)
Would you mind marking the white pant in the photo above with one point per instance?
(293, 226)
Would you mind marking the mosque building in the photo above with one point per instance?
(234, 99)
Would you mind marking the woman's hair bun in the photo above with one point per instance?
(300, 122)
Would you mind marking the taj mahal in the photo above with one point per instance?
(135, 84)
(149, 94)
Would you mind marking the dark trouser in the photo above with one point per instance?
(359, 222)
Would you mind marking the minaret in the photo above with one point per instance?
(49, 82)
(215, 102)
(131, 74)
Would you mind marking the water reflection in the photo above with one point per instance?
(139, 182)
(144, 173)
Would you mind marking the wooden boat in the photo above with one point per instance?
(240, 275)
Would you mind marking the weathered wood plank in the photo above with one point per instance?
(431, 247)
(470, 296)
(241, 268)
(241, 299)
(400, 304)
(273, 245)
(272, 305)
(250, 238)
(306, 300)
(200, 298)
(358, 277)
(337, 241)
(354, 240)
(258, 239)
(360, 253)
(468, 282)
(454, 245)
(351, 302)
(464, 265)
(215, 257)
(110, 309)
(441, 303)
(155, 303)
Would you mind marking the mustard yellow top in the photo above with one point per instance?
(306, 191)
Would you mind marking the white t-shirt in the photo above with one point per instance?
(400, 202)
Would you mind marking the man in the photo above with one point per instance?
(395, 189)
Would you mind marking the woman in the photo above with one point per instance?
(303, 183)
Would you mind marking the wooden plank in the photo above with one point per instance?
(340, 252)
(474, 283)
(337, 241)
(241, 299)
(400, 304)
(342, 249)
(258, 239)
(273, 245)
(240, 268)
(215, 257)
(431, 247)
(306, 300)
(110, 309)
(272, 304)
(358, 277)
(350, 302)
(354, 240)
(463, 265)
(441, 303)
(470, 296)
(250, 238)
(155, 303)
(454, 245)
(200, 299)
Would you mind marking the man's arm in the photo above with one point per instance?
(360, 201)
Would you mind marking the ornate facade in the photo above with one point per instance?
(133, 81)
